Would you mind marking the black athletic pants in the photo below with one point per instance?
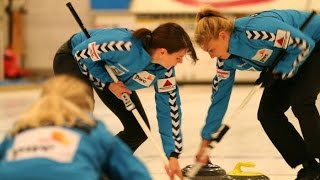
(300, 93)
(132, 134)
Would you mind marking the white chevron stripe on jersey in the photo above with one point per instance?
(174, 114)
(110, 45)
(179, 145)
(175, 108)
(128, 45)
(95, 81)
(173, 100)
(175, 131)
(119, 45)
(105, 47)
(260, 35)
(169, 73)
(219, 63)
(304, 47)
(76, 56)
(176, 124)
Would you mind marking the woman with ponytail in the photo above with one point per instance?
(139, 59)
(58, 138)
(288, 57)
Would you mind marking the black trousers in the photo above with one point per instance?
(132, 134)
(300, 93)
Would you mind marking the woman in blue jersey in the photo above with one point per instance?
(58, 138)
(253, 43)
(140, 59)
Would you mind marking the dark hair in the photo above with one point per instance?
(170, 36)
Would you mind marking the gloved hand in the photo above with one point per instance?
(267, 78)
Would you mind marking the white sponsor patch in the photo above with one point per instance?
(223, 74)
(93, 51)
(262, 55)
(167, 84)
(54, 143)
(116, 71)
(282, 39)
(144, 78)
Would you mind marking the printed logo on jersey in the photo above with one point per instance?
(282, 39)
(223, 74)
(167, 84)
(262, 55)
(144, 78)
(54, 143)
(116, 71)
(93, 51)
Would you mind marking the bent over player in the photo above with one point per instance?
(254, 43)
(58, 138)
(140, 59)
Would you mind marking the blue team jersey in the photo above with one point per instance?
(255, 43)
(55, 153)
(125, 55)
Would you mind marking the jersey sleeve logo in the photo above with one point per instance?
(93, 51)
(223, 74)
(262, 55)
(144, 78)
(282, 39)
(102, 48)
(167, 84)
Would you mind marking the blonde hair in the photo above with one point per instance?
(209, 24)
(64, 101)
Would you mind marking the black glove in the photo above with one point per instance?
(267, 78)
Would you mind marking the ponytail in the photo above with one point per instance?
(145, 35)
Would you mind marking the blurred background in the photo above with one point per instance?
(32, 30)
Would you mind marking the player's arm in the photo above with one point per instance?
(169, 114)
(296, 44)
(221, 91)
(94, 53)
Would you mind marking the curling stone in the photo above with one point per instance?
(238, 174)
(207, 172)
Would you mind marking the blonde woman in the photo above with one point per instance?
(58, 138)
(253, 43)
